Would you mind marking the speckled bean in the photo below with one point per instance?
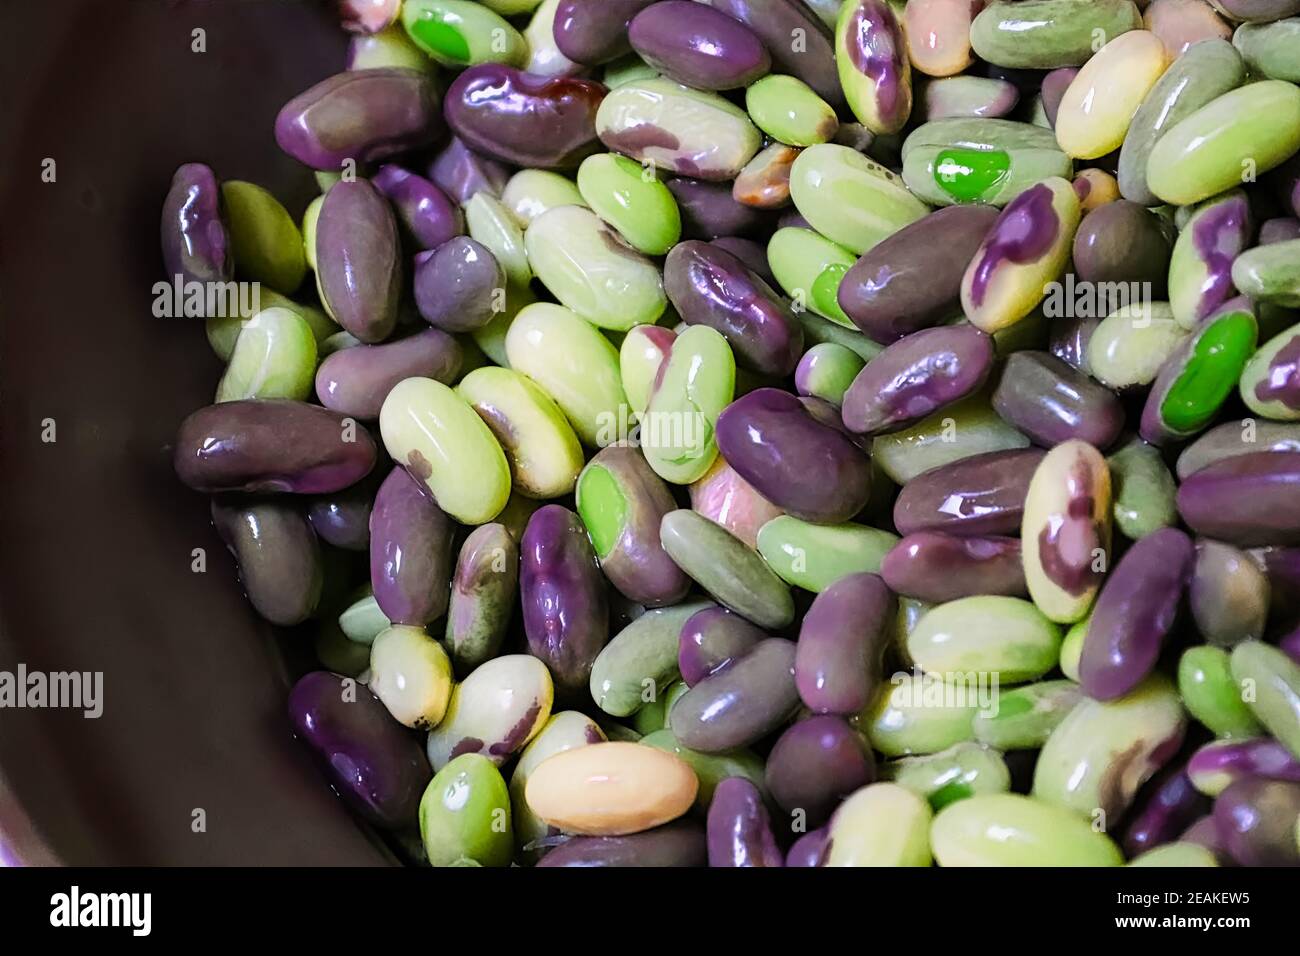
(495, 711)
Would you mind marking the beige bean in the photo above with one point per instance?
(609, 789)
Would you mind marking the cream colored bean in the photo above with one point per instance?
(495, 711)
(883, 824)
(609, 789)
(1100, 101)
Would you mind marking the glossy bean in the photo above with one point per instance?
(992, 161)
(1200, 270)
(461, 173)
(764, 182)
(1026, 716)
(963, 430)
(815, 764)
(465, 815)
(698, 46)
(849, 198)
(815, 556)
(882, 824)
(739, 831)
(1129, 346)
(1221, 763)
(456, 33)
(595, 31)
(1122, 241)
(482, 595)
(919, 714)
(938, 35)
(641, 208)
(1170, 804)
(636, 667)
(410, 552)
(1229, 595)
(987, 634)
(1276, 680)
(495, 711)
(1269, 49)
(358, 260)
(1048, 33)
(1143, 490)
(274, 357)
(741, 703)
(1211, 695)
(1258, 821)
(691, 388)
(935, 566)
(427, 215)
(277, 555)
(982, 494)
(1095, 112)
(1014, 830)
(872, 61)
(411, 674)
(961, 771)
(709, 210)
(842, 640)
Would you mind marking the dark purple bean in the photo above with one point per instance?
(516, 117)
(771, 440)
(842, 641)
(265, 445)
(810, 849)
(410, 552)
(710, 640)
(815, 764)
(681, 843)
(359, 115)
(916, 376)
(936, 567)
(566, 614)
(1053, 90)
(1283, 229)
(1069, 338)
(708, 209)
(595, 31)
(359, 260)
(355, 381)
(750, 253)
(740, 704)
(709, 286)
(370, 759)
(1135, 610)
(195, 237)
(1249, 500)
(461, 173)
(1282, 566)
(739, 831)
(343, 518)
(1257, 820)
(912, 279)
(1052, 403)
(983, 494)
(457, 285)
(1123, 241)
(430, 218)
(636, 562)
(277, 554)
(1223, 762)
(698, 46)
(799, 42)
(1171, 804)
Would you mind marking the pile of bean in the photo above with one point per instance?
(684, 370)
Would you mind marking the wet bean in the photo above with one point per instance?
(872, 60)
(410, 552)
(482, 597)
(842, 640)
(809, 268)
(741, 703)
(566, 614)
(1276, 680)
(427, 215)
(1270, 382)
(1026, 716)
(938, 35)
(264, 239)
(1122, 241)
(978, 495)
(641, 208)
(1247, 499)
(1049, 33)
(918, 714)
(1170, 804)
(461, 173)
(595, 31)
(274, 357)
(1200, 270)
(1210, 693)
(739, 831)
(277, 555)
(1004, 636)
(271, 445)
(849, 198)
(1218, 765)
(564, 731)
(826, 371)
(433, 432)
(710, 639)
(1013, 830)
(691, 388)
(359, 260)
(1143, 490)
(764, 182)
(1094, 114)
(709, 210)
(814, 765)
(359, 115)
(622, 502)
(196, 240)
(1181, 24)
(355, 381)
(698, 46)
(1269, 49)
(1135, 611)
(456, 33)
(963, 430)
(882, 824)
(495, 711)
(458, 285)
(636, 667)
(374, 765)
(935, 566)
(966, 97)
(411, 674)
(465, 815)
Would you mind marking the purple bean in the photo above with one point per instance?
(1171, 804)
(359, 115)
(739, 831)
(458, 284)
(740, 704)
(1053, 90)
(983, 494)
(359, 260)
(1223, 762)
(277, 554)
(355, 381)
(461, 173)
(268, 445)
(545, 122)
(566, 613)
(595, 31)
(1282, 229)
(810, 849)
(779, 23)
(937, 567)
(1257, 820)
(698, 46)
(710, 640)
(1123, 241)
(709, 286)
(680, 843)
(371, 760)
(429, 217)
(1069, 337)
(343, 518)
(916, 376)
(912, 279)
(752, 255)
(708, 209)
(842, 642)
(771, 440)
(410, 552)
(195, 237)
(1250, 500)
(1051, 402)
(815, 764)
(1135, 610)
